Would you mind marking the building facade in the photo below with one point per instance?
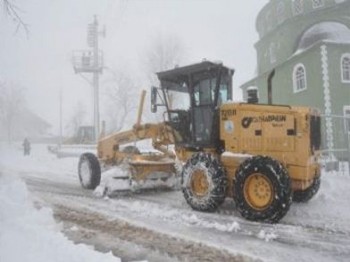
(307, 43)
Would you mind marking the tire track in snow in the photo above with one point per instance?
(181, 249)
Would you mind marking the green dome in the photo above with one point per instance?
(276, 12)
(330, 31)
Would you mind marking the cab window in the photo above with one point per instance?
(204, 92)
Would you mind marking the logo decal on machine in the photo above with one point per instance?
(247, 121)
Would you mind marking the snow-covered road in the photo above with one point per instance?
(160, 226)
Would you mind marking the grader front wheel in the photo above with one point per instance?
(89, 171)
(262, 190)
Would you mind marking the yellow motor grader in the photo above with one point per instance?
(262, 155)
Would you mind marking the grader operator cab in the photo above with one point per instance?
(264, 156)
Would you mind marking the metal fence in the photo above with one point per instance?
(336, 143)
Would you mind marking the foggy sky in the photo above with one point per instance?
(41, 61)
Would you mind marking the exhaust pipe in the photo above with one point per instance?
(269, 87)
(252, 95)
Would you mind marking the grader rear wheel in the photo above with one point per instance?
(302, 196)
(262, 189)
(204, 182)
(258, 191)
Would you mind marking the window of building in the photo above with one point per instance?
(347, 119)
(299, 78)
(298, 6)
(345, 68)
(317, 3)
(280, 13)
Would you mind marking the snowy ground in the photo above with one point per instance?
(31, 234)
(155, 225)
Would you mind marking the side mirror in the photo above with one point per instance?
(154, 93)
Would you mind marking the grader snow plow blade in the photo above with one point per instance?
(143, 172)
(152, 170)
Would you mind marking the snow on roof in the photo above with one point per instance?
(333, 31)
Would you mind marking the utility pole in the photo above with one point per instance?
(61, 133)
(93, 42)
(91, 61)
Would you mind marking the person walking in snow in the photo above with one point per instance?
(26, 147)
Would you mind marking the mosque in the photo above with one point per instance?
(307, 43)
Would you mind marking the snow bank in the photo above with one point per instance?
(30, 234)
(329, 208)
(39, 160)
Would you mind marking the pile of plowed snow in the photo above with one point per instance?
(31, 234)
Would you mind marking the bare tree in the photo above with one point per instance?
(164, 52)
(11, 103)
(13, 11)
(122, 94)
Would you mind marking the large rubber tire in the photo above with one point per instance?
(302, 196)
(89, 171)
(262, 190)
(204, 182)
